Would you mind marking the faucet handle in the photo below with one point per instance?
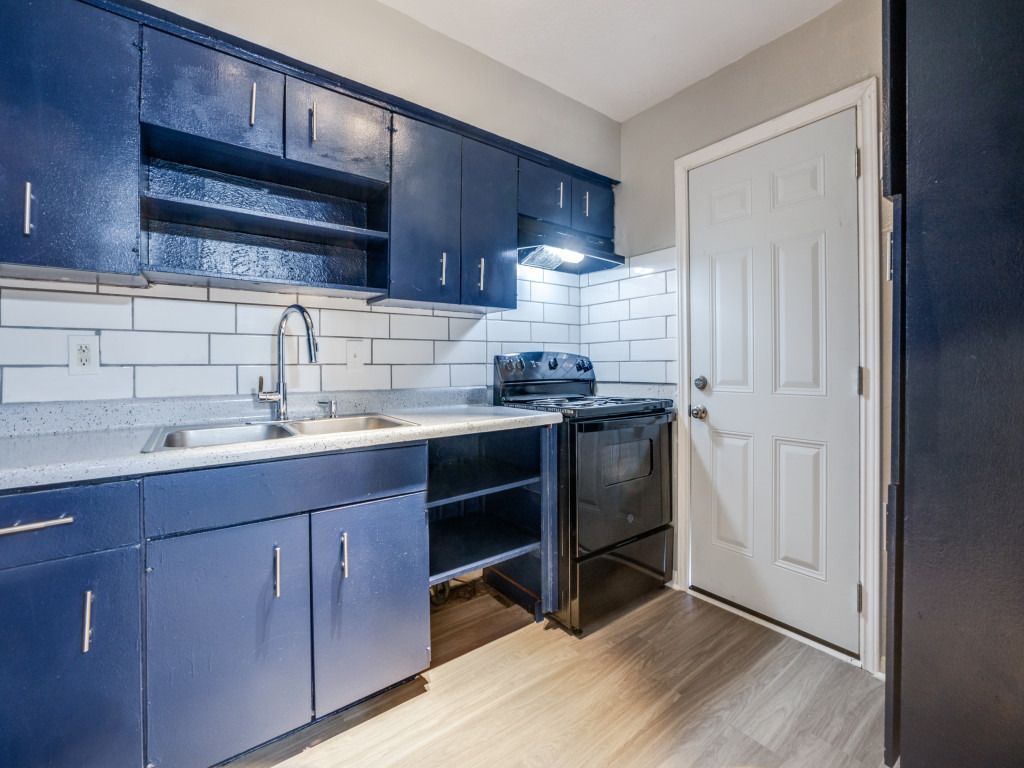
(331, 405)
(266, 397)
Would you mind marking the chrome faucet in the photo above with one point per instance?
(281, 395)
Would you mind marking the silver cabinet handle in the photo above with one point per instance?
(482, 262)
(87, 623)
(252, 106)
(586, 204)
(314, 119)
(444, 266)
(561, 193)
(27, 224)
(26, 527)
(344, 555)
(277, 571)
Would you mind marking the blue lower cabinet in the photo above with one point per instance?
(228, 640)
(371, 604)
(71, 662)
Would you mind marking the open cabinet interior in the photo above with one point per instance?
(488, 509)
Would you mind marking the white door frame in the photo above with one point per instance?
(864, 97)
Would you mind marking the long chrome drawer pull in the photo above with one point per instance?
(87, 623)
(444, 266)
(561, 193)
(26, 527)
(314, 119)
(27, 224)
(252, 106)
(344, 555)
(277, 571)
(482, 262)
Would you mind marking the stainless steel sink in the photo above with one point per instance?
(347, 424)
(200, 437)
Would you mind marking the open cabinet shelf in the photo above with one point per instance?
(460, 545)
(461, 480)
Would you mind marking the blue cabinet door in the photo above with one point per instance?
(371, 604)
(69, 118)
(425, 213)
(227, 640)
(593, 208)
(545, 193)
(195, 90)
(71, 665)
(489, 226)
(330, 130)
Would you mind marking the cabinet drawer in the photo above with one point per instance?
(212, 498)
(199, 91)
(46, 525)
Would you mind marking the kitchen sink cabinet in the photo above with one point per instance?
(371, 612)
(69, 162)
(228, 640)
(426, 189)
(201, 92)
(70, 674)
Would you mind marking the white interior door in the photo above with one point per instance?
(774, 487)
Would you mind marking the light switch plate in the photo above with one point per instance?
(357, 352)
(83, 355)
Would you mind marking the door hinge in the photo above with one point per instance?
(860, 597)
(860, 380)
(856, 162)
(889, 255)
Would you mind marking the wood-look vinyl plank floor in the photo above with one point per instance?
(676, 683)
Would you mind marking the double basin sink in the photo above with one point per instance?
(255, 432)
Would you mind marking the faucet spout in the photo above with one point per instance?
(281, 395)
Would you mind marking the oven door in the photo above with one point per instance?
(622, 483)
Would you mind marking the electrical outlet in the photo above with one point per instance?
(83, 355)
(357, 351)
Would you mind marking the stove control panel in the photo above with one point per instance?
(522, 367)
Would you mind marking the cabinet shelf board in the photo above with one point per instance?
(176, 210)
(458, 481)
(460, 545)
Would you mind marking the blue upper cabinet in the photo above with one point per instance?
(198, 91)
(489, 226)
(71, 690)
(227, 640)
(593, 208)
(371, 610)
(425, 261)
(69, 160)
(330, 130)
(545, 193)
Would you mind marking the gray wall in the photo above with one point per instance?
(836, 49)
(373, 44)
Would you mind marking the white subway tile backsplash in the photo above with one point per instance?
(30, 346)
(646, 328)
(574, 296)
(606, 371)
(348, 377)
(561, 278)
(309, 301)
(507, 330)
(412, 327)
(469, 375)
(253, 318)
(599, 294)
(609, 351)
(550, 293)
(596, 332)
(420, 376)
(642, 372)
(653, 349)
(610, 312)
(37, 385)
(607, 275)
(350, 324)
(527, 311)
(549, 332)
(386, 351)
(45, 309)
(559, 313)
(662, 304)
(533, 274)
(654, 261)
(191, 316)
(184, 380)
(460, 351)
(467, 330)
(152, 347)
(642, 286)
(240, 349)
(523, 290)
(298, 378)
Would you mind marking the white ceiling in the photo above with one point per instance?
(617, 56)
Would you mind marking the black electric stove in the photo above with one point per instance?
(614, 483)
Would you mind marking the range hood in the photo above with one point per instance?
(548, 246)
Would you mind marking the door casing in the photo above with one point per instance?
(864, 97)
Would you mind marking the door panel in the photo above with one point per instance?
(228, 642)
(774, 327)
(202, 92)
(371, 608)
(69, 117)
(425, 213)
(593, 207)
(330, 130)
(489, 226)
(545, 193)
(61, 705)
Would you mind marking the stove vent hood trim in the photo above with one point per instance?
(541, 242)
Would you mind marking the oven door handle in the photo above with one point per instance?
(626, 422)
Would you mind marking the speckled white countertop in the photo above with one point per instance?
(40, 460)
